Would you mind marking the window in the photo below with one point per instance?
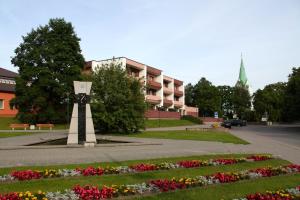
(1, 104)
(151, 92)
(166, 84)
(150, 78)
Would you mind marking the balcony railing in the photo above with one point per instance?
(154, 85)
(168, 90)
(178, 93)
(168, 102)
(153, 99)
(178, 104)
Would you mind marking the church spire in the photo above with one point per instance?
(242, 81)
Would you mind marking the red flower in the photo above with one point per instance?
(225, 178)
(258, 157)
(91, 171)
(93, 193)
(26, 175)
(144, 167)
(225, 161)
(10, 196)
(166, 185)
(189, 163)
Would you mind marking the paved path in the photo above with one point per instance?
(140, 148)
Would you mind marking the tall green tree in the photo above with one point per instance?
(241, 101)
(207, 98)
(292, 96)
(226, 93)
(189, 95)
(270, 100)
(118, 102)
(49, 60)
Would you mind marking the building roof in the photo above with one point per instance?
(4, 73)
(7, 87)
(7, 83)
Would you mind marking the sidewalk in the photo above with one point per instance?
(141, 148)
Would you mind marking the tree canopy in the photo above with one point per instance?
(270, 100)
(206, 97)
(241, 101)
(49, 60)
(292, 97)
(118, 102)
(226, 94)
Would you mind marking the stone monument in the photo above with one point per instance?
(82, 128)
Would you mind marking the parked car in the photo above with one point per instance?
(226, 124)
(238, 122)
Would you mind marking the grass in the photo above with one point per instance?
(6, 121)
(122, 163)
(155, 123)
(14, 134)
(231, 190)
(191, 135)
(55, 184)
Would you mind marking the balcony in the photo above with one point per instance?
(178, 82)
(153, 99)
(167, 90)
(178, 104)
(178, 93)
(134, 64)
(154, 85)
(168, 102)
(153, 71)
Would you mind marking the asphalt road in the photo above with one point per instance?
(289, 134)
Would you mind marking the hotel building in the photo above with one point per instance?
(7, 92)
(161, 90)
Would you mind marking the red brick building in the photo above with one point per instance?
(7, 92)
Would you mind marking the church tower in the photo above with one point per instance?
(242, 80)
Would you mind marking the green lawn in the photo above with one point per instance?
(122, 163)
(14, 134)
(217, 136)
(155, 123)
(55, 184)
(229, 191)
(6, 121)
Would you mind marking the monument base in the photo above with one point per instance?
(89, 144)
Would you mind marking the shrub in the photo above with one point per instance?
(191, 118)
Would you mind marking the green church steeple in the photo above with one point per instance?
(242, 81)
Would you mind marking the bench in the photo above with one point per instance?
(13, 126)
(50, 126)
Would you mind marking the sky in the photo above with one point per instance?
(187, 39)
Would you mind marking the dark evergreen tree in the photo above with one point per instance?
(226, 93)
(49, 60)
(118, 102)
(270, 100)
(241, 101)
(189, 95)
(207, 98)
(292, 97)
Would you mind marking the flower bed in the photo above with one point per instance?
(142, 167)
(287, 194)
(90, 192)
